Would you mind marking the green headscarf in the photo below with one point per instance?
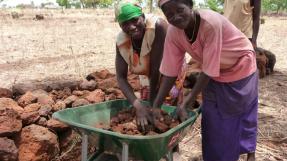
(128, 11)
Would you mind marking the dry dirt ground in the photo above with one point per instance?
(72, 43)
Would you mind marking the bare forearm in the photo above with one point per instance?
(165, 87)
(201, 83)
(154, 81)
(121, 72)
(256, 19)
(127, 90)
(156, 57)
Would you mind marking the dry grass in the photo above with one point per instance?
(39, 49)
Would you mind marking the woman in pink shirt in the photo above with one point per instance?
(228, 81)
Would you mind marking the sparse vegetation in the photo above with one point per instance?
(215, 5)
(276, 6)
(85, 3)
(268, 6)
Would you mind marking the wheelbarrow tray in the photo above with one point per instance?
(147, 148)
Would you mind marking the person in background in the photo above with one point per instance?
(228, 79)
(245, 15)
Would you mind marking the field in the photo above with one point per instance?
(69, 44)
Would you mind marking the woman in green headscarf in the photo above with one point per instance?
(139, 48)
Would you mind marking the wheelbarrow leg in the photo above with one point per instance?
(125, 152)
(169, 156)
(84, 147)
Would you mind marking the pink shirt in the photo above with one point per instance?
(224, 53)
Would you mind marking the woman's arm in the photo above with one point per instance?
(165, 87)
(142, 116)
(156, 56)
(200, 84)
(121, 72)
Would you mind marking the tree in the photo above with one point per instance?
(150, 6)
(105, 3)
(96, 3)
(64, 3)
(279, 5)
(215, 5)
(266, 5)
(274, 5)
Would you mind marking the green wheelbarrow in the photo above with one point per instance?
(110, 144)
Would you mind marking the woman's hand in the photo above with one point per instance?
(181, 112)
(142, 114)
(189, 100)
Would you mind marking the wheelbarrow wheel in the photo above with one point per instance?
(107, 157)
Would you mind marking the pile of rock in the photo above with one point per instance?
(27, 131)
(125, 122)
(265, 60)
